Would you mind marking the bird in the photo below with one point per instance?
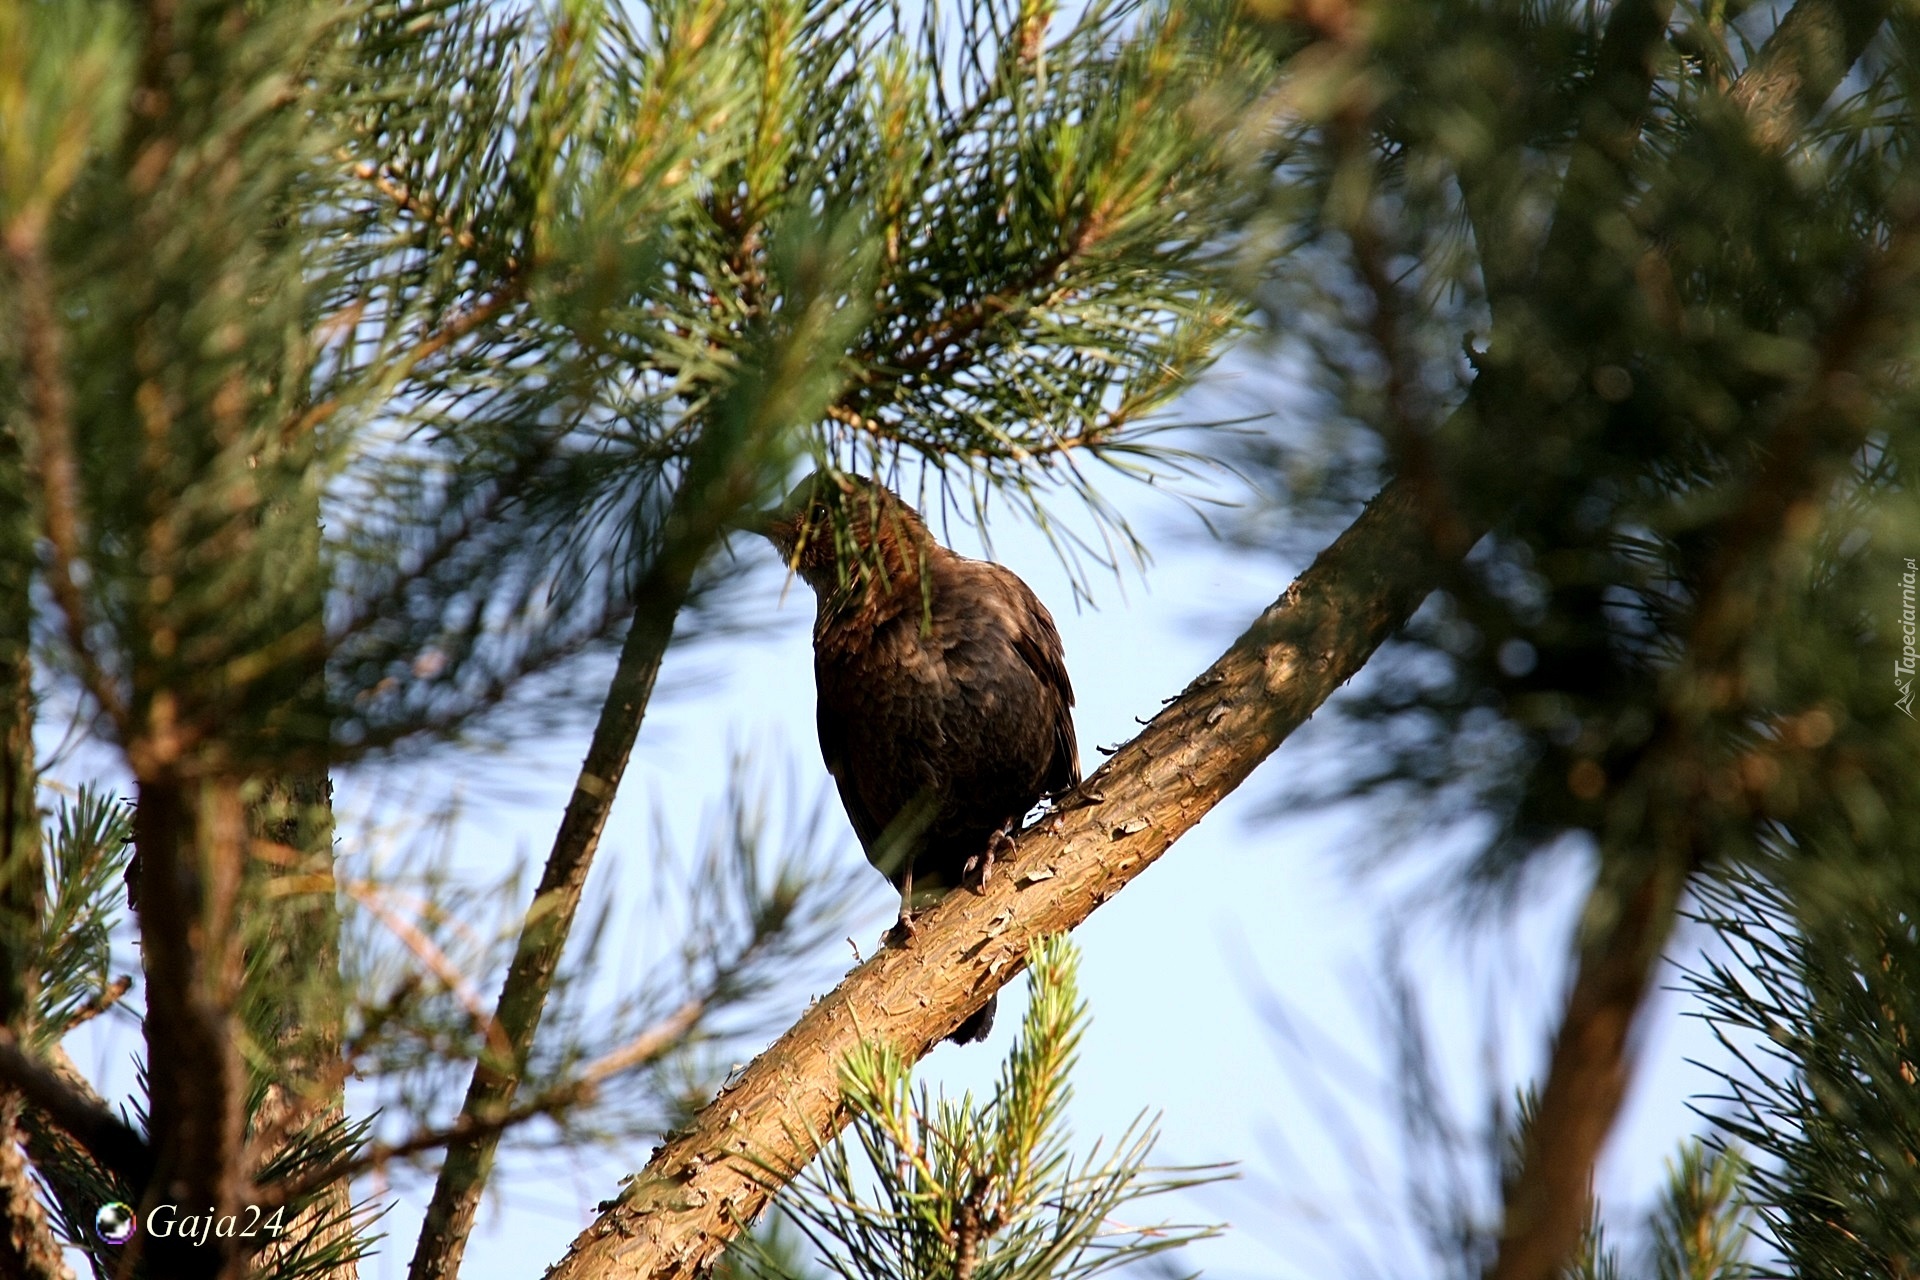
(944, 709)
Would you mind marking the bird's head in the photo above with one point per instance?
(839, 531)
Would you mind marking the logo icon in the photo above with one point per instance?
(114, 1223)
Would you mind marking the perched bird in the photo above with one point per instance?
(945, 712)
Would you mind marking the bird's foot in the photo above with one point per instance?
(1080, 796)
(903, 930)
(979, 869)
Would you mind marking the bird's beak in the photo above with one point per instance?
(776, 526)
(760, 522)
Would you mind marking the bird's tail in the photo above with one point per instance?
(977, 1026)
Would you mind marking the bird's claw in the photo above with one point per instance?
(903, 930)
(1079, 797)
(979, 869)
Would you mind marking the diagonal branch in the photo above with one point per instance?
(536, 960)
(691, 1199)
(83, 1117)
(1802, 63)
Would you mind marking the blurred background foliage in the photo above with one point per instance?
(1626, 291)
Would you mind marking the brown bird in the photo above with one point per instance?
(945, 712)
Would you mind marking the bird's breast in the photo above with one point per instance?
(951, 709)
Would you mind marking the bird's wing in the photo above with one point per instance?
(1037, 641)
(833, 749)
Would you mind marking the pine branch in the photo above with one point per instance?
(291, 1009)
(945, 1189)
(1590, 1065)
(731, 463)
(22, 863)
(496, 1079)
(1700, 1227)
(556, 899)
(79, 1183)
(1814, 1005)
(190, 841)
(1548, 1200)
(1807, 55)
(81, 1115)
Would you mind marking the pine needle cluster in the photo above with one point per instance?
(1816, 1010)
(933, 1187)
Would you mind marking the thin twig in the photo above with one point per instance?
(404, 198)
(430, 954)
(51, 456)
(643, 1048)
(647, 1045)
(444, 335)
(108, 996)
